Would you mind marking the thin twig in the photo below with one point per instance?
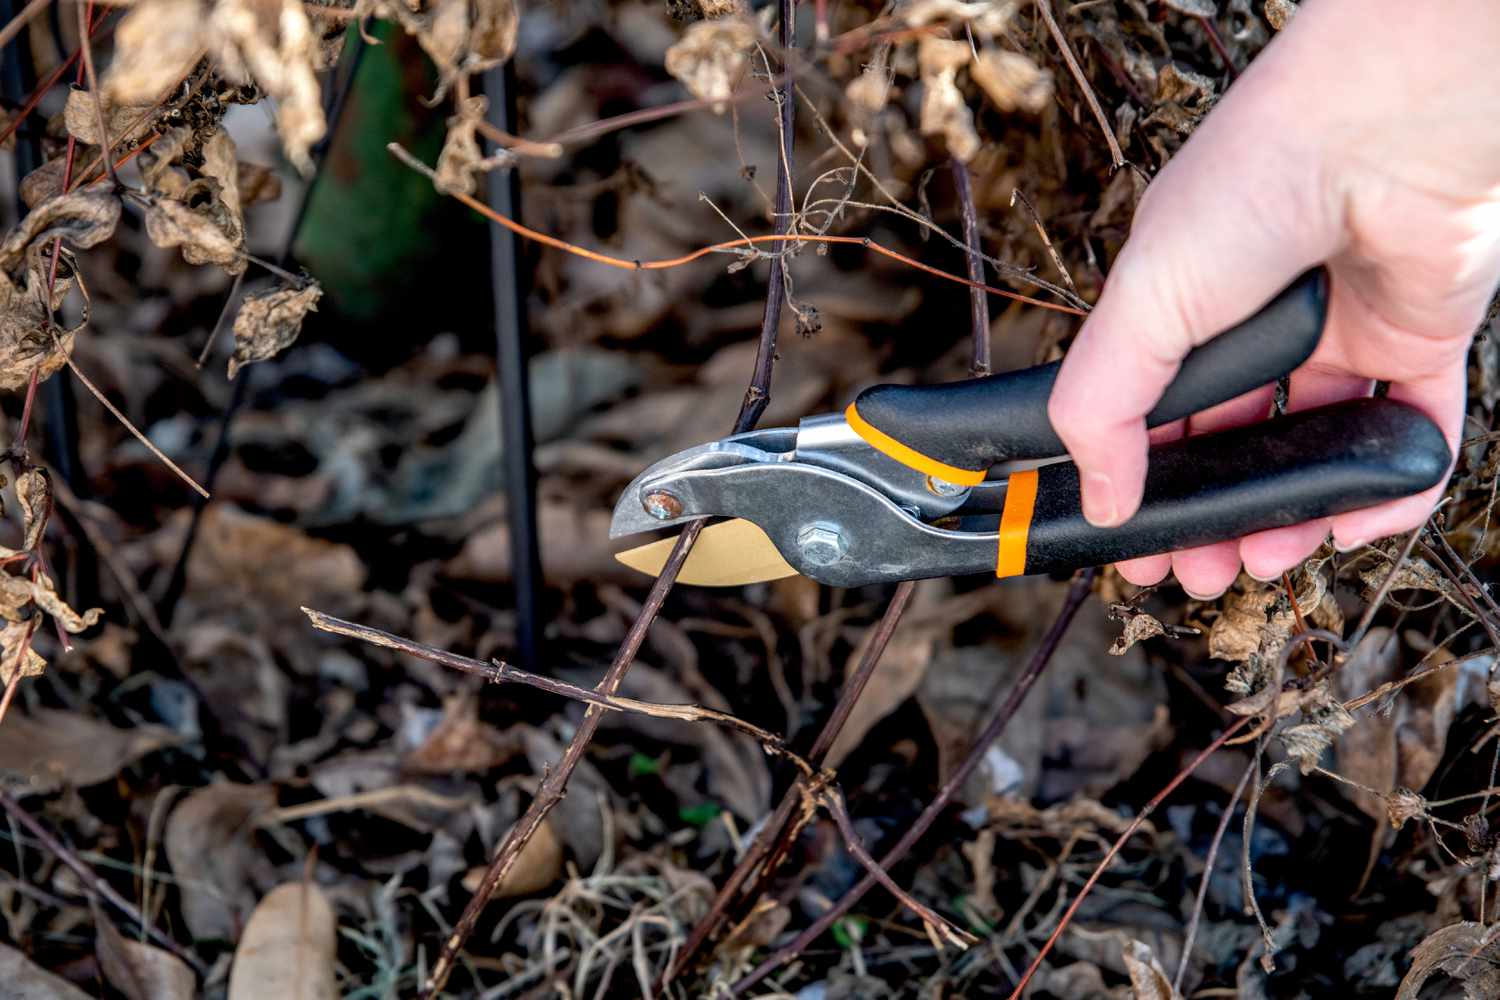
(1117, 158)
(727, 246)
(1385, 587)
(775, 832)
(1208, 873)
(979, 307)
(88, 68)
(135, 431)
(92, 881)
(20, 21)
(1041, 231)
(999, 718)
(1118, 845)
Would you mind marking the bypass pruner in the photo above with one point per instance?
(912, 482)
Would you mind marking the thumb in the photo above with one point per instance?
(1228, 223)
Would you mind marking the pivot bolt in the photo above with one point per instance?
(822, 544)
(662, 505)
(943, 488)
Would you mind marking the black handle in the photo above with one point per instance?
(1215, 487)
(974, 424)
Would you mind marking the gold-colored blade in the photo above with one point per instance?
(727, 554)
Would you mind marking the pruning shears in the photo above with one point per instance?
(912, 482)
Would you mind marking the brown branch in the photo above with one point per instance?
(994, 726)
(776, 833)
(91, 881)
(14, 26)
(555, 784)
(1041, 231)
(814, 785)
(758, 396)
(1117, 158)
(88, 68)
(979, 307)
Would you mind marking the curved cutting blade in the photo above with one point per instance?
(728, 554)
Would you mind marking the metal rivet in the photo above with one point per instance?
(943, 488)
(822, 544)
(662, 505)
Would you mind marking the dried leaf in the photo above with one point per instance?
(460, 742)
(1280, 12)
(269, 322)
(1464, 951)
(44, 182)
(34, 491)
(1148, 981)
(461, 157)
(944, 111)
(257, 184)
(1326, 719)
(139, 970)
(711, 57)
(156, 45)
(209, 845)
(538, 866)
(1012, 81)
(47, 750)
(201, 224)
(82, 219)
(986, 19)
(25, 980)
(15, 639)
(272, 43)
(870, 90)
(81, 117)
(288, 947)
(455, 43)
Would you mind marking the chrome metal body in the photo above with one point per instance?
(839, 511)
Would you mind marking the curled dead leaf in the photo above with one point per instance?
(1404, 804)
(272, 43)
(44, 182)
(1468, 952)
(459, 36)
(711, 57)
(122, 121)
(34, 491)
(156, 45)
(16, 652)
(269, 322)
(288, 947)
(1325, 720)
(207, 233)
(1012, 81)
(944, 111)
(462, 157)
(985, 19)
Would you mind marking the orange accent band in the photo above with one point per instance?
(910, 457)
(1015, 523)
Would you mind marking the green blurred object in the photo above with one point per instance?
(850, 931)
(375, 229)
(699, 815)
(642, 766)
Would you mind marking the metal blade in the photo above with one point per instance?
(728, 554)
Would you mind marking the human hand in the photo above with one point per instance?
(1365, 137)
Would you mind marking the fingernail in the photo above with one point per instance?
(1358, 543)
(1099, 506)
(1269, 578)
(1203, 597)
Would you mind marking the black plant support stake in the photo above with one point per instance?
(509, 290)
